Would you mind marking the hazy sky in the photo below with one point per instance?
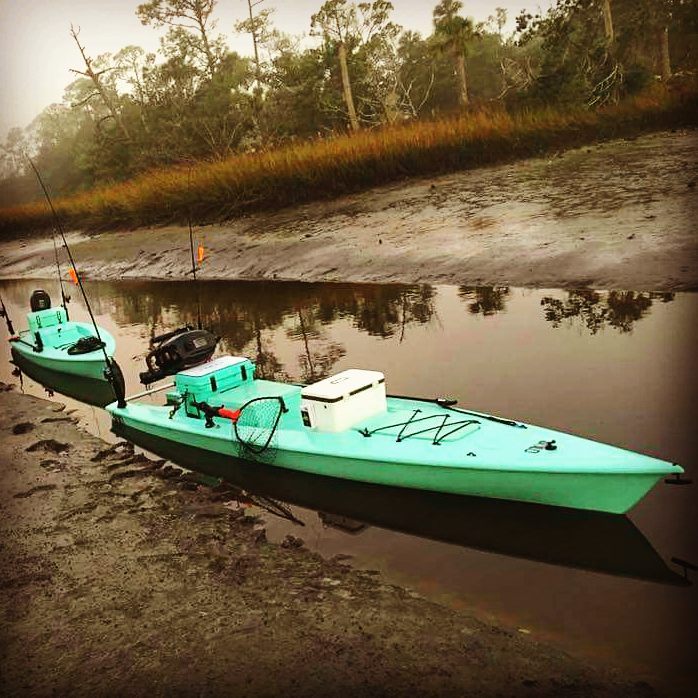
(36, 51)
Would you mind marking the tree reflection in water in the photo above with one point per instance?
(484, 300)
(244, 315)
(596, 309)
(319, 353)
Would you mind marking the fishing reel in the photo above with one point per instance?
(176, 351)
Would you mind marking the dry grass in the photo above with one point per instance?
(328, 168)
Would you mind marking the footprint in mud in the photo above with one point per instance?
(50, 445)
(34, 490)
(22, 428)
(123, 449)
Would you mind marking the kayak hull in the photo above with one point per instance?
(561, 536)
(57, 359)
(93, 391)
(613, 491)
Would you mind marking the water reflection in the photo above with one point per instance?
(243, 314)
(597, 309)
(247, 315)
(320, 353)
(484, 300)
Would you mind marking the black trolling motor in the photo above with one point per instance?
(177, 350)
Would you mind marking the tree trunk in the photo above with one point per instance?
(663, 51)
(346, 86)
(200, 18)
(210, 61)
(462, 81)
(253, 31)
(608, 22)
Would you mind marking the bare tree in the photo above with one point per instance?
(96, 78)
(664, 62)
(258, 26)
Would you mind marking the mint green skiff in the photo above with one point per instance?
(414, 443)
(52, 343)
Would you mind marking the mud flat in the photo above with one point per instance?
(615, 215)
(121, 575)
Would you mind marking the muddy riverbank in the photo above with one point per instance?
(119, 575)
(615, 215)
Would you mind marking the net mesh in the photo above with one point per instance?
(255, 428)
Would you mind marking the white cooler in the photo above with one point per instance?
(343, 400)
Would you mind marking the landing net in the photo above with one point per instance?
(255, 428)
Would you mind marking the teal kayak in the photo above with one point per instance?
(62, 346)
(346, 427)
(93, 391)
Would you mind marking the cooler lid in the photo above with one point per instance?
(212, 366)
(342, 385)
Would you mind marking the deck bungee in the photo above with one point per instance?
(346, 427)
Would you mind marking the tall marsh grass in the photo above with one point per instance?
(216, 191)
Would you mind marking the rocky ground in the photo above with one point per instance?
(615, 215)
(122, 575)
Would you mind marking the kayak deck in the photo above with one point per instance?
(417, 444)
(482, 442)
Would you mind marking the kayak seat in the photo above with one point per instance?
(42, 319)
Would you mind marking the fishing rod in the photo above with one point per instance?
(109, 371)
(191, 249)
(4, 313)
(65, 299)
(193, 271)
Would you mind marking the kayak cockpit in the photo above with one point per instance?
(49, 328)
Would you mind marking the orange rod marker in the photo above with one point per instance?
(73, 275)
(201, 254)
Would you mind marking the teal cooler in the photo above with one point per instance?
(205, 383)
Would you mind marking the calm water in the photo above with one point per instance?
(619, 367)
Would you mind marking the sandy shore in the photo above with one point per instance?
(121, 576)
(616, 215)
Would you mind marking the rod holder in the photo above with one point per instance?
(685, 566)
(678, 480)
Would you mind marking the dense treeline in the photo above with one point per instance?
(131, 112)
